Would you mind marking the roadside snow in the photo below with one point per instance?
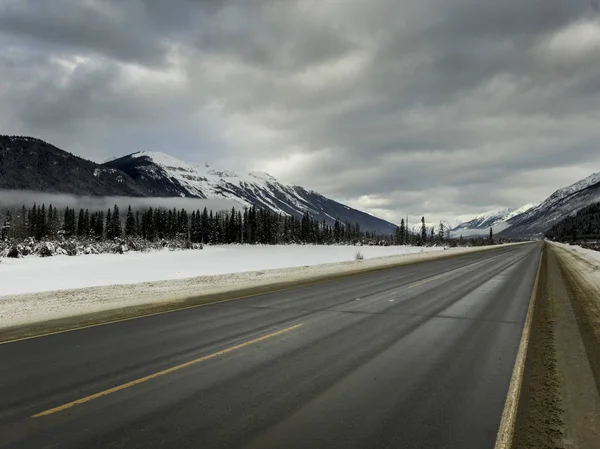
(585, 261)
(37, 274)
(36, 289)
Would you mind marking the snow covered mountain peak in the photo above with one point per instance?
(591, 180)
(202, 172)
(497, 219)
(560, 204)
(263, 175)
(520, 210)
(162, 175)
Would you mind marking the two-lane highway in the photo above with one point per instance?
(419, 356)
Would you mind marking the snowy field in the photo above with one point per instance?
(37, 274)
(36, 289)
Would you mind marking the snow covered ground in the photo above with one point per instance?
(36, 289)
(585, 261)
(37, 274)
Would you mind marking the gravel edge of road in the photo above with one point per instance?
(549, 413)
(539, 416)
(586, 304)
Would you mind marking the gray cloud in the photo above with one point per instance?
(437, 107)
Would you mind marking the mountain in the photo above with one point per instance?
(416, 227)
(162, 175)
(562, 203)
(582, 226)
(27, 163)
(497, 219)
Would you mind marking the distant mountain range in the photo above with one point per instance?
(416, 227)
(534, 220)
(497, 219)
(27, 163)
(562, 203)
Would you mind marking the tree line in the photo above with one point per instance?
(583, 226)
(250, 225)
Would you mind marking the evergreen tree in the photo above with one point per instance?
(21, 226)
(402, 231)
(81, 223)
(40, 223)
(69, 223)
(86, 223)
(116, 223)
(491, 236)
(232, 227)
(100, 228)
(337, 230)
(108, 228)
(423, 230)
(183, 225)
(130, 228)
(137, 222)
(6, 227)
(398, 236)
(32, 219)
(53, 224)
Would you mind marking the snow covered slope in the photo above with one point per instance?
(560, 204)
(416, 227)
(165, 176)
(497, 219)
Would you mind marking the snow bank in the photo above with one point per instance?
(585, 261)
(37, 274)
(52, 287)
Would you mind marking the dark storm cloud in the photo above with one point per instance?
(443, 107)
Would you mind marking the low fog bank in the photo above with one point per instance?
(10, 199)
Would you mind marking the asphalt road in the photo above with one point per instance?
(414, 357)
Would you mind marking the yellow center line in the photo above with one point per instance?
(160, 373)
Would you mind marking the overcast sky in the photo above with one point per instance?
(443, 108)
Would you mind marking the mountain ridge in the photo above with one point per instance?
(562, 203)
(31, 163)
(497, 219)
(163, 175)
(28, 163)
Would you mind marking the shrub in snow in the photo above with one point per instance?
(118, 248)
(14, 252)
(70, 247)
(89, 249)
(45, 249)
(60, 252)
(359, 256)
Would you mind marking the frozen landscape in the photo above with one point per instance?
(39, 274)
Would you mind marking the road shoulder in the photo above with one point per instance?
(560, 405)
